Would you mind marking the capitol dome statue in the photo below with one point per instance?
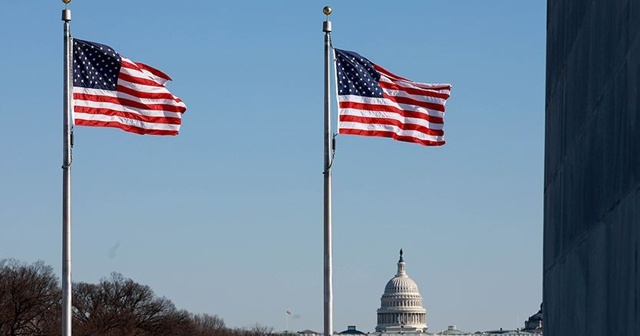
(401, 304)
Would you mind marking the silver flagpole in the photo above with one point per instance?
(66, 177)
(328, 285)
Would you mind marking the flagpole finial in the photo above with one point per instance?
(66, 13)
(326, 25)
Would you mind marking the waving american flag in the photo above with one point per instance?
(374, 102)
(109, 90)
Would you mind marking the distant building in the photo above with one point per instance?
(451, 330)
(401, 314)
(401, 305)
(351, 330)
(534, 323)
(308, 332)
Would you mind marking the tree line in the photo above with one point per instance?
(31, 304)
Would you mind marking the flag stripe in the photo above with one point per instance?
(383, 104)
(85, 111)
(138, 104)
(419, 120)
(126, 127)
(427, 99)
(157, 73)
(129, 94)
(161, 94)
(145, 91)
(406, 126)
(143, 71)
(411, 101)
(415, 90)
(111, 100)
(117, 117)
(416, 137)
(395, 78)
(137, 80)
(372, 111)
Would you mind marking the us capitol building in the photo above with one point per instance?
(401, 304)
(401, 312)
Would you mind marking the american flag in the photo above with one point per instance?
(374, 102)
(111, 91)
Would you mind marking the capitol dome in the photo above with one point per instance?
(401, 304)
(401, 284)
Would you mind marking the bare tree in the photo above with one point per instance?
(29, 298)
(30, 304)
(207, 325)
(260, 330)
(120, 306)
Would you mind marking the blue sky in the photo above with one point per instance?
(226, 218)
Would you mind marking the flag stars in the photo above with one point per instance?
(96, 66)
(356, 75)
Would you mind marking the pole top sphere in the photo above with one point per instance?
(326, 10)
(66, 1)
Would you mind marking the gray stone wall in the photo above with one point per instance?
(592, 168)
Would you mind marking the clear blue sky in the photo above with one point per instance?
(226, 218)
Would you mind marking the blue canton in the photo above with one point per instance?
(356, 75)
(95, 66)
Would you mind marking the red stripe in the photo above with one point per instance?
(387, 108)
(392, 122)
(422, 85)
(409, 101)
(414, 91)
(391, 135)
(389, 74)
(153, 70)
(128, 115)
(138, 80)
(129, 103)
(147, 95)
(128, 128)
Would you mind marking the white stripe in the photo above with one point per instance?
(127, 121)
(417, 86)
(390, 128)
(436, 87)
(117, 107)
(160, 80)
(139, 73)
(439, 88)
(141, 87)
(422, 98)
(151, 89)
(143, 73)
(387, 102)
(114, 94)
(392, 116)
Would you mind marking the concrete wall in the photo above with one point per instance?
(592, 168)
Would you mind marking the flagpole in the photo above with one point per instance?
(66, 177)
(328, 286)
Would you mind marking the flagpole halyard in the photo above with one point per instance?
(66, 176)
(328, 137)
